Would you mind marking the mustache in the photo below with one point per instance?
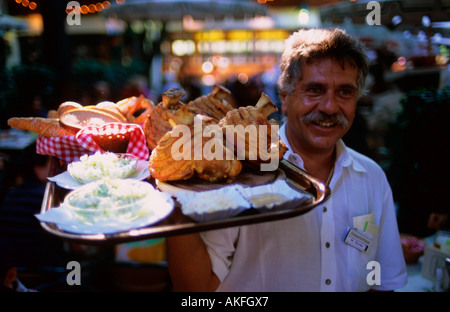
(321, 117)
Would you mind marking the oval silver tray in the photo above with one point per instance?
(176, 223)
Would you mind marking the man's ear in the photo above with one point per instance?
(10, 276)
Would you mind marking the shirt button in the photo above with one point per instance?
(324, 209)
(293, 158)
(328, 281)
(327, 244)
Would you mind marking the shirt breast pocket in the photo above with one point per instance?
(361, 268)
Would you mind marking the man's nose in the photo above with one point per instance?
(329, 103)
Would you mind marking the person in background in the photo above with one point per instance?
(439, 221)
(322, 76)
(10, 282)
(23, 242)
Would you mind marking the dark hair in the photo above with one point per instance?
(305, 46)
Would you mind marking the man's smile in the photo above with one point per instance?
(325, 120)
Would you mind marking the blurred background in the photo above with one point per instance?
(87, 51)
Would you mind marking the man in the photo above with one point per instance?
(322, 76)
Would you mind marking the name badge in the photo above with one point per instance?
(358, 239)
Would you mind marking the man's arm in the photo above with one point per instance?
(189, 264)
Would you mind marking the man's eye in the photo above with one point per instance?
(315, 90)
(346, 92)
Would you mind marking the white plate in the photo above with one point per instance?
(66, 181)
(218, 204)
(291, 198)
(66, 221)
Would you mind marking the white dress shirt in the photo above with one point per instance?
(308, 252)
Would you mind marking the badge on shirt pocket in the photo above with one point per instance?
(358, 239)
(363, 232)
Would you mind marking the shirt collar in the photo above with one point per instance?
(344, 156)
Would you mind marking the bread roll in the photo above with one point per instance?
(82, 117)
(48, 127)
(136, 109)
(109, 108)
(68, 106)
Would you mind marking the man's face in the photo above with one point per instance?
(322, 107)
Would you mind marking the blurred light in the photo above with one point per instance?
(35, 23)
(26, 3)
(213, 60)
(114, 26)
(175, 64)
(189, 23)
(137, 26)
(273, 34)
(426, 21)
(207, 67)
(372, 55)
(240, 35)
(243, 78)
(223, 62)
(99, 7)
(303, 17)
(397, 19)
(84, 9)
(437, 37)
(238, 46)
(211, 35)
(422, 36)
(277, 46)
(208, 80)
(91, 8)
(183, 47)
(262, 46)
(401, 60)
(202, 47)
(262, 22)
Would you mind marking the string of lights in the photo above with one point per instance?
(91, 8)
(27, 4)
(83, 9)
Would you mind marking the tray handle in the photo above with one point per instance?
(304, 181)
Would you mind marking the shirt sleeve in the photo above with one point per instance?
(221, 247)
(390, 254)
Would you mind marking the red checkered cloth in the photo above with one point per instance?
(71, 148)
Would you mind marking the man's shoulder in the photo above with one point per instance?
(364, 161)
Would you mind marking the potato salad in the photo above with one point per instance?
(102, 165)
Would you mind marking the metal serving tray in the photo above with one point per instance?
(176, 223)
